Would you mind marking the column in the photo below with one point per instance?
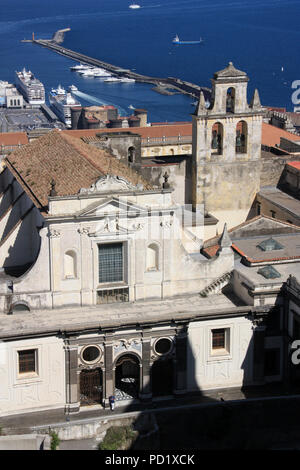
(181, 364)
(145, 386)
(108, 374)
(72, 379)
(258, 351)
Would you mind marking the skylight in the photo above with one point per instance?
(269, 245)
(269, 272)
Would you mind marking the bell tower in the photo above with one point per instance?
(227, 148)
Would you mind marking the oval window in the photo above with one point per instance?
(163, 346)
(91, 354)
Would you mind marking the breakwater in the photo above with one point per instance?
(167, 84)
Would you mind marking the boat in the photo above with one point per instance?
(84, 69)
(127, 80)
(134, 6)
(78, 67)
(98, 72)
(31, 88)
(113, 79)
(73, 88)
(176, 40)
(61, 103)
(120, 80)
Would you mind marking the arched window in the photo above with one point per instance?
(152, 257)
(20, 306)
(70, 264)
(217, 139)
(131, 154)
(241, 137)
(230, 100)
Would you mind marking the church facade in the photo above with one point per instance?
(104, 289)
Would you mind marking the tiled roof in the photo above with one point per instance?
(295, 165)
(150, 131)
(13, 138)
(271, 135)
(72, 163)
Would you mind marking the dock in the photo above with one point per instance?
(170, 84)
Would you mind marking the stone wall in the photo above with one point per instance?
(272, 167)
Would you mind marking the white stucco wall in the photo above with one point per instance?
(207, 370)
(32, 392)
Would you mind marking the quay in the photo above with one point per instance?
(163, 84)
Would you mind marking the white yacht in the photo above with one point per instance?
(73, 88)
(127, 80)
(101, 73)
(113, 79)
(78, 67)
(134, 6)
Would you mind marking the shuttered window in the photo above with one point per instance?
(110, 262)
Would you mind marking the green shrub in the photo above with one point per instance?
(54, 440)
(117, 437)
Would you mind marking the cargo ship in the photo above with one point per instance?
(61, 103)
(176, 40)
(30, 87)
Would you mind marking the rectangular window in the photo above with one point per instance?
(110, 262)
(220, 341)
(27, 361)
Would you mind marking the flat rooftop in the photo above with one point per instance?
(117, 315)
(287, 246)
(256, 279)
(281, 199)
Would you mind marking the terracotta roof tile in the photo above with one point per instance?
(295, 165)
(271, 135)
(13, 138)
(72, 163)
(149, 131)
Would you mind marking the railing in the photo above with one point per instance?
(175, 140)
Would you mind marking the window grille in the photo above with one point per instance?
(218, 339)
(110, 262)
(27, 361)
(109, 296)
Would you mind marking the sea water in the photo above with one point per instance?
(259, 37)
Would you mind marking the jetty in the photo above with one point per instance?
(167, 85)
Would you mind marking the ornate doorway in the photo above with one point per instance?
(91, 386)
(127, 378)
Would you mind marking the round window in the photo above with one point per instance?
(91, 354)
(163, 346)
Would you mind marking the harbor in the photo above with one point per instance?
(169, 85)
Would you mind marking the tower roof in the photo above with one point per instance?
(230, 72)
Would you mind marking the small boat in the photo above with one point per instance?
(78, 67)
(73, 88)
(134, 6)
(176, 40)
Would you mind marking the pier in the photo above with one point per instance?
(167, 84)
